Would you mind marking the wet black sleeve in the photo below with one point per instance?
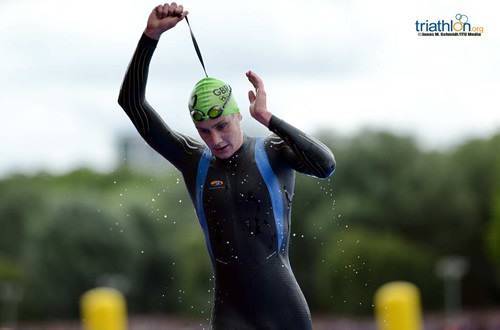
(175, 147)
(303, 152)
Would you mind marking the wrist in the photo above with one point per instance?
(264, 118)
(152, 33)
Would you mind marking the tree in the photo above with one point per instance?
(65, 259)
(357, 262)
(493, 232)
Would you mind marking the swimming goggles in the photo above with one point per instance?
(214, 112)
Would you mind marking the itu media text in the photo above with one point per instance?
(460, 27)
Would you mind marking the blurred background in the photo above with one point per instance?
(413, 122)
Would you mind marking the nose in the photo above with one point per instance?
(215, 138)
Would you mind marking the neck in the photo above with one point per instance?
(240, 153)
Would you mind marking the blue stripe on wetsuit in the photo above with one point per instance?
(200, 183)
(273, 187)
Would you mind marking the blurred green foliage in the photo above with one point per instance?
(390, 212)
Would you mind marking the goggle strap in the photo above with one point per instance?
(195, 44)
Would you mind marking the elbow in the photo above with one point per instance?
(127, 99)
(121, 99)
(325, 164)
(330, 168)
(329, 165)
(127, 102)
(121, 104)
(333, 166)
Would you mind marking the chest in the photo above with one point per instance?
(235, 192)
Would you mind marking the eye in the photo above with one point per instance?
(203, 131)
(221, 126)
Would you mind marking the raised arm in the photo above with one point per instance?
(132, 98)
(304, 153)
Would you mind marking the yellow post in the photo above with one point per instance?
(397, 307)
(103, 309)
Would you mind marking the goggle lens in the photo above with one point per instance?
(215, 112)
(197, 115)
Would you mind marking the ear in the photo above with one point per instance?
(240, 116)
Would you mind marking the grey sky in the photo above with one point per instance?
(340, 65)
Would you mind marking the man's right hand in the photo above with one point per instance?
(163, 18)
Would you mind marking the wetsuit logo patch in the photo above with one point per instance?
(216, 184)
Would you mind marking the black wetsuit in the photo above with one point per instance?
(243, 204)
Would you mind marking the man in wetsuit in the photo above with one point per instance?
(241, 187)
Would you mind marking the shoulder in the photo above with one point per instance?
(275, 149)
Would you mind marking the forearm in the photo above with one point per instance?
(314, 158)
(132, 97)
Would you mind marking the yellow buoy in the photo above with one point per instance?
(397, 307)
(103, 309)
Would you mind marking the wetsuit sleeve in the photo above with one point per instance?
(174, 146)
(301, 151)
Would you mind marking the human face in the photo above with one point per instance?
(222, 135)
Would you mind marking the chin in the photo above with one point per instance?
(224, 154)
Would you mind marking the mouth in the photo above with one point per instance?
(220, 148)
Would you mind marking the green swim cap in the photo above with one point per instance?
(210, 99)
